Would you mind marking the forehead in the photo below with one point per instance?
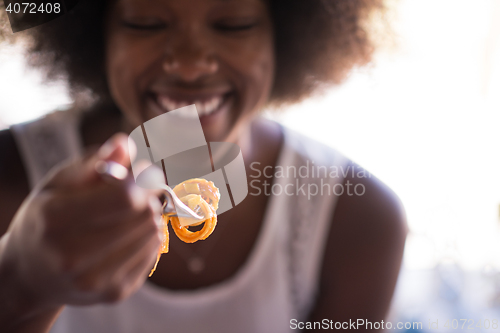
(195, 9)
(186, 2)
(189, 8)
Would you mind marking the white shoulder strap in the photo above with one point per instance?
(319, 181)
(45, 142)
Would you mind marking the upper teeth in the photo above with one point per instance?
(204, 108)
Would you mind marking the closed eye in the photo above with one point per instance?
(235, 26)
(144, 27)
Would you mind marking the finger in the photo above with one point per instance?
(101, 204)
(100, 273)
(118, 149)
(82, 171)
(136, 270)
(85, 249)
(128, 280)
(121, 257)
(150, 200)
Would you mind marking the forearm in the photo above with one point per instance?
(29, 322)
(20, 309)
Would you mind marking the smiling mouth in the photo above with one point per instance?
(206, 105)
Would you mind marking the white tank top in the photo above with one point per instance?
(278, 283)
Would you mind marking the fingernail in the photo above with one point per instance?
(138, 196)
(148, 175)
(112, 144)
(107, 149)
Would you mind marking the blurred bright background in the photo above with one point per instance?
(425, 119)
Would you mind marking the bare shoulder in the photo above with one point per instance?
(364, 251)
(373, 211)
(13, 183)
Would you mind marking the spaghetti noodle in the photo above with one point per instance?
(201, 196)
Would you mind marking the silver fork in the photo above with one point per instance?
(173, 206)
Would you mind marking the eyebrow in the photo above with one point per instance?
(227, 1)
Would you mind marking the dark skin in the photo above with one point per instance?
(195, 55)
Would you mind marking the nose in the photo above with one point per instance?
(190, 58)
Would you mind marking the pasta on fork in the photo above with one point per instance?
(203, 198)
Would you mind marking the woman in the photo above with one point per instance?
(280, 262)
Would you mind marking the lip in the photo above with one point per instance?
(188, 95)
(191, 97)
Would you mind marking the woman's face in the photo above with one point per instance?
(165, 54)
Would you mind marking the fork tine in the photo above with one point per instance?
(178, 206)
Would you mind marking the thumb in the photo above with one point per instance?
(83, 171)
(117, 149)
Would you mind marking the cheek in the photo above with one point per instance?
(126, 59)
(265, 71)
(255, 63)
